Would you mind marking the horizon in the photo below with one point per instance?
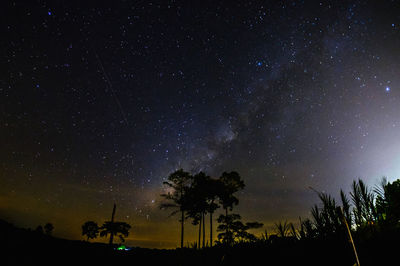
(159, 243)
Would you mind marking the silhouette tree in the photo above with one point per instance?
(196, 202)
(196, 220)
(388, 203)
(212, 188)
(195, 215)
(199, 222)
(204, 229)
(201, 199)
(226, 227)
(39, 229)
(381, 201)
(229, 184)
(112, 222)
(392, 197)
(48, 229)
(233, 229)
(120, 229)
(90, 229)
(178, 183)
(114, 228)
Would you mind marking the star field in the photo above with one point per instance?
(99, 103)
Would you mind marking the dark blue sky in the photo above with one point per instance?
(99, 103)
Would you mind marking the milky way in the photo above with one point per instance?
(100, 103)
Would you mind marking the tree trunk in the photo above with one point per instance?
(211, 230)
(182, 214)
(198, 243)
(111, 238)
(182, 227)
(226, 220)
(204, 230)
(112, 221)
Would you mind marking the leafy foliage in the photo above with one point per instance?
(197, 197)
(90, 229)
(48, 229)
(368, 212)
(388, 203)
(120, 229)
(230, 183)
(282, 229)
(178, 184)
(363, 200)
(232, 229)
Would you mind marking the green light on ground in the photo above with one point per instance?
(122, 247)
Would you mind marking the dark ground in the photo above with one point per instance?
(25, 247)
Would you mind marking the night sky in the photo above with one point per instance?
(99, 103)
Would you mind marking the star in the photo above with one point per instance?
(125, 95)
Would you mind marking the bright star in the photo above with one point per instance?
(387, 89)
